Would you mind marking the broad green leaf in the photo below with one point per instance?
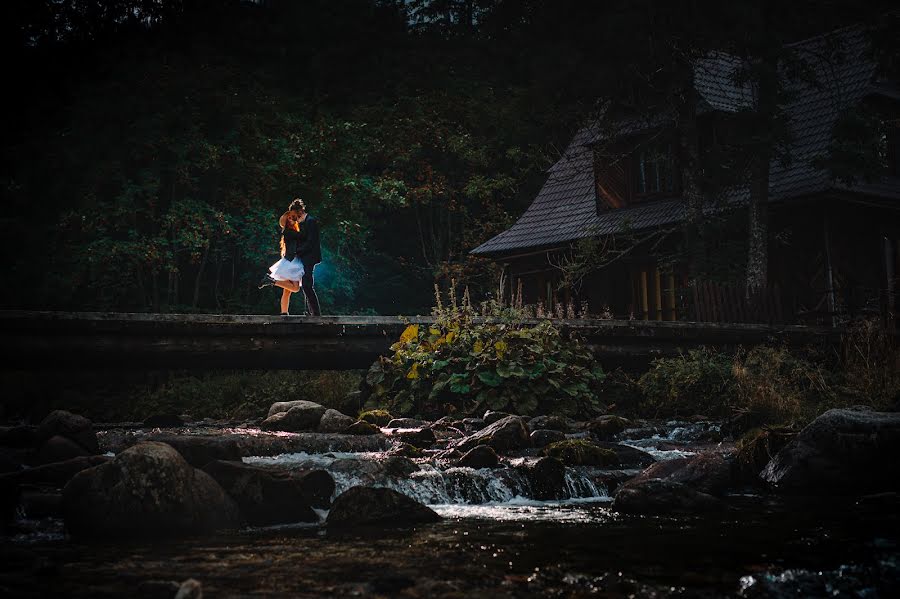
(490, 378)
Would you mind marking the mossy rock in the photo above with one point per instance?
(578, 452)
(376, 417)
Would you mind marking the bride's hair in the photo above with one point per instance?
(297, 204)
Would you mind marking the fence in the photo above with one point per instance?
(716, 302)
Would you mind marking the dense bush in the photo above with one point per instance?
(699, 382)
(466, 364)
(776, 386)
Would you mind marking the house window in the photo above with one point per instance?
(655, 170)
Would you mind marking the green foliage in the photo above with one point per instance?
(578, 452)
(466, 364)
(776, 386)
(124, 397)
(699, 382)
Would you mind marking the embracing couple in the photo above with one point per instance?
(300, 252)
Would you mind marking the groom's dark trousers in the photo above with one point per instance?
(309, 290)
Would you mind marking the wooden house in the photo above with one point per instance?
(834, 247)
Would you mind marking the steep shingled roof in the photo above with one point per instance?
(565, 209)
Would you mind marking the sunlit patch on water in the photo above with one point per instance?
(521, 509)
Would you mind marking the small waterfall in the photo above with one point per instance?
(432, 485)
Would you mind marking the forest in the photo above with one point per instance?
(151, 145)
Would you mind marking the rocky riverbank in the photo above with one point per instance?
(131, 482)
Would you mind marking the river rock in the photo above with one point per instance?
(199, 450)
(709, 472)
(544, 437)
(656, 496)
(333, 421)
(376, 417)
(406, 423)
(148, 490)
(301, 416)
(491, 417)
(629, 457)
(578, 452)
(470, 425)
(605, 428)
(481, 456)
(71, 426)
(547, 478)
(551, 422)
(265, 496)
(422, 437)
(842, 451)
(284, 406)
(56, 474)
(361, 427)
(405, 450)
(507, 434)
(57, 449)
(370, 505)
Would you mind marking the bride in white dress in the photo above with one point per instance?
(288, 271)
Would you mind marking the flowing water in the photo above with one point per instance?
(495, 540)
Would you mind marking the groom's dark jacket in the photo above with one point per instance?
(308, 248)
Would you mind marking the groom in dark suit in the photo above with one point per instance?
(310, 253)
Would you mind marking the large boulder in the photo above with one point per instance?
(148, 490)
(372, 505)
(551, 422)
(361, 427)
(199, 450)
(17, 436)
(71, 426)
(333, 421)
(406, 423)
(300, 416)
(285, 406)
(657, 496)
(708, 472)
(506, 434)
(269, 496)
(846, 451)
(605, 428)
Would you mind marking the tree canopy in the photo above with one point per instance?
(152, 144)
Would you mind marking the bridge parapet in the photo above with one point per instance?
(103, 340)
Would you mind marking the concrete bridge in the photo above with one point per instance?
(101, 341)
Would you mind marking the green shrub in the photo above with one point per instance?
(774, 386)
(700, 382)
(870, 364)
(467, 364)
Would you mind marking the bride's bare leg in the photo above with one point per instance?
(285, 300)
(292, 286)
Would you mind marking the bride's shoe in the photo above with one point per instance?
(266, 281)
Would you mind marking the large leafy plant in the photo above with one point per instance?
(468, 362)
